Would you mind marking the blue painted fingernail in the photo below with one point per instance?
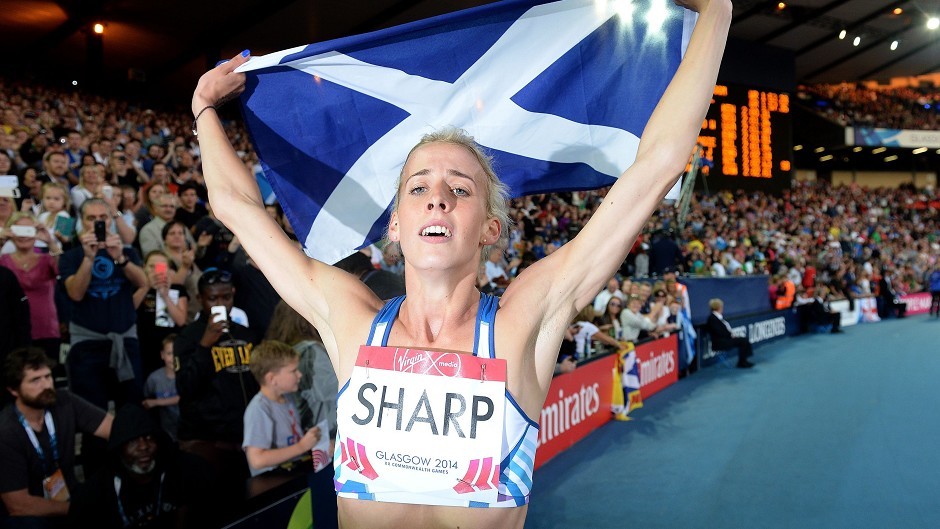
(223, 61)
(246, 53)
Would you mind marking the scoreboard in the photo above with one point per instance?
(747, 139)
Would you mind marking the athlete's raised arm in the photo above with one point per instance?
(580, 268)
(330, 298)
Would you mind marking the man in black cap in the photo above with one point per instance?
(146, 483)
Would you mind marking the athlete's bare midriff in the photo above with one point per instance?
(356, 514)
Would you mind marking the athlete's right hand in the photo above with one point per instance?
(220, 84)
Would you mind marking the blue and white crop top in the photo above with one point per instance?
(520, 433)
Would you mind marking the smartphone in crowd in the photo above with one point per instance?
(108, 192)
(218, 313)
(100, 233)
(23, 231)
(159, 269)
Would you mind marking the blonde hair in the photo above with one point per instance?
(269, 356)
(497, 196)
(66, 202)
(20, 215)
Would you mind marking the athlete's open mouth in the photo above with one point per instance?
(436, 231)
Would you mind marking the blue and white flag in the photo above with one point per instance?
(558, 92)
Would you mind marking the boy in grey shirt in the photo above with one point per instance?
(274, 434)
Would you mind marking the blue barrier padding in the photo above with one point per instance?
(742, 295)
(759, 329)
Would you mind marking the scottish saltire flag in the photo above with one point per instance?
(627, 395)
(687, 335)
(558, 92)
(267, 192)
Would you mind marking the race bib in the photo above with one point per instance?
(54, 487)
(423, 422)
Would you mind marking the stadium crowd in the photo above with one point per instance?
(856, 105)
(110, 237)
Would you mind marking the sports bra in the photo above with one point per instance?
(520, 433)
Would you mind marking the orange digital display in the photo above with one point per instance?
(746, 133)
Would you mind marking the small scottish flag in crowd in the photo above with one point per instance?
(557, 92)
(627, 396)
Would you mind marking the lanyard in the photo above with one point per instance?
(50, 427)
(293, 425)
(157, 507)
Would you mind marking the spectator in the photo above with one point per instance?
(190, 210)
(160, 390)
(91, 184)
(55, 168)
(7, 208)
(55, 206)
(74, 151)
(217, 245)
(100, 278)
(318, 383)
(15, 326)
(676, 289)
(664, 253)
(37, 441)
(30, 190)
(151, 235)
(722, 339)
(162, 309)
(149, 194)
(254, 292)
(609, 321)
(215, 385)
(890, 302)
(641, 262)
(121, 172)
(385, 285)
(634, 325)
(612, 291)
(36, 273)
(147, 482)
(585, 333)
(934, 283)
(180, 250)
(786, 292)
(495, 271)
(392, 261)
(318, 388)
(274, 435)
(820, 312)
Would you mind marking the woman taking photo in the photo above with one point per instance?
(449, 210)
(182, 255)
(162, 309)
(36, 272)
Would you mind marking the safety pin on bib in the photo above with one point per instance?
(482, 373)
(367, 369)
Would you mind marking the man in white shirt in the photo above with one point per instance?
(612, 290)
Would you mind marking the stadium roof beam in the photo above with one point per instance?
(858, 51)
(800, 20)
(759, 7)
(858, 23)
(915, 51)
